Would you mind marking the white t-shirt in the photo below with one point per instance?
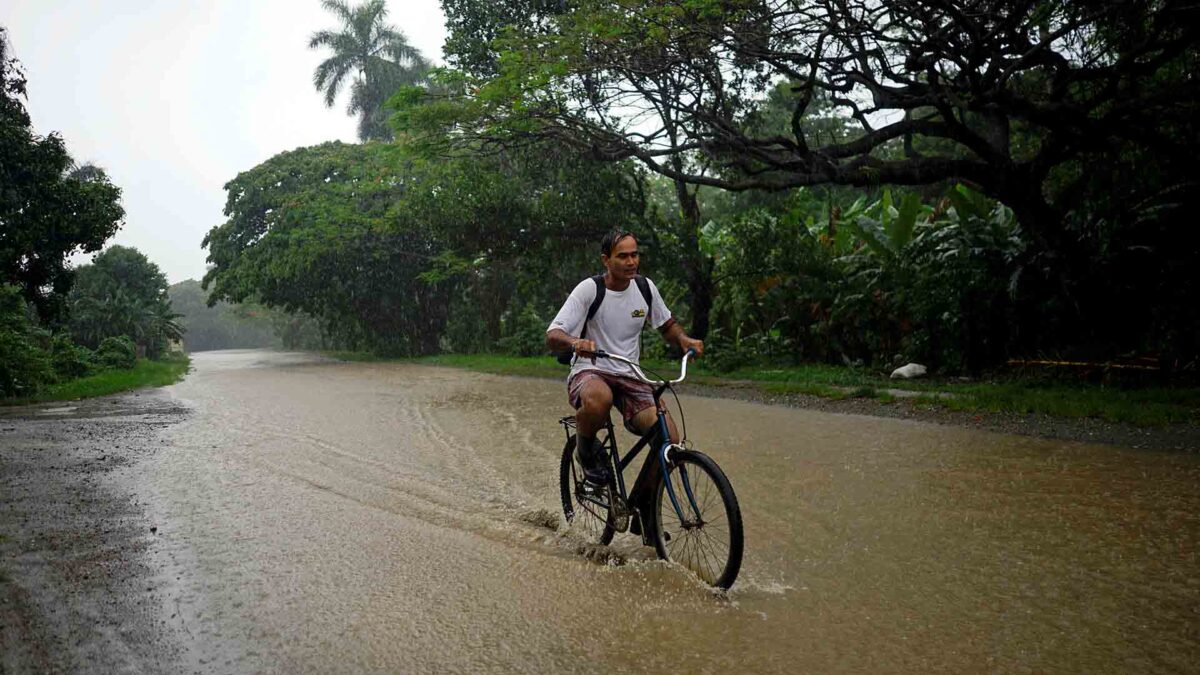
(617, 325)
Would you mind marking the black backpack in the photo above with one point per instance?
(643, 286)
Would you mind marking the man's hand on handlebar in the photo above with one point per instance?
(585, 348)
(686, 343)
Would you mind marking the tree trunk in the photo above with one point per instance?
(697, 266)
(1059, 258)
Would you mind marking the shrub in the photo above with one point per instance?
(117, 352)
(525, 333)
(24, 365)
(68, 359)
(724, 354)
(465, 331)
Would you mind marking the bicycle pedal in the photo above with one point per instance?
(621, 522)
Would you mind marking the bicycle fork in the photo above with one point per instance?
(664, 463)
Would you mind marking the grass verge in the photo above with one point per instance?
(1141, 406)
(146, 373)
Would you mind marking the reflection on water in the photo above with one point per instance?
(328, 517)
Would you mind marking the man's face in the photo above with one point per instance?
(622, 263)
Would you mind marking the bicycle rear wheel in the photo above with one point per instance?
(708, 540)
(591, 516)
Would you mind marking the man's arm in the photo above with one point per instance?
(558, 340)
(673, 333)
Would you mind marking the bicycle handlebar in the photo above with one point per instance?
(600, 353)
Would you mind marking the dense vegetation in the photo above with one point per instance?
(411, 257)
(122, 293)
(65, 329)
(958, 184)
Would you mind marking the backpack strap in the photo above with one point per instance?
(599, 279)
(644, 287)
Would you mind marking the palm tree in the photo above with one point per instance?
(378, 56)
(164, 328)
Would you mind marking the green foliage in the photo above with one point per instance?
(24, 363)
(117, 352)
(49, 208)
(69, 360)
(875, 283)
(525, 333)
(379, 247)
(1089, 135)
(147, 373)
(319, 231)
(465, 332)
(300, 331)
(122, 293)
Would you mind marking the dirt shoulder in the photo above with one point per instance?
(1184, 437)
(77, 591)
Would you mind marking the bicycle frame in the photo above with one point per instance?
(660, 430)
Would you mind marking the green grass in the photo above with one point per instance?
(485, 363)
(1142, 406)
(1148, 406)
(146, 373)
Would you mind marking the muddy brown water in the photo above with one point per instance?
(329, 517)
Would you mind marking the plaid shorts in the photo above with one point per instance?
(630, 395)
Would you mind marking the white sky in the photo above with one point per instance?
(176, 98)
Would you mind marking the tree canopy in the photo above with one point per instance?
(1002, 95)
(383, 248)
(49, 209)
(122, 293)
(1079, 117)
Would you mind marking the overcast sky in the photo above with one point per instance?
(176, 98)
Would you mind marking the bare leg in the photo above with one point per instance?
(647, 418)
(596, 400)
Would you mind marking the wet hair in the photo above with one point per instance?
(613, 238)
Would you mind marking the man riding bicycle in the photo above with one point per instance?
(607, 313)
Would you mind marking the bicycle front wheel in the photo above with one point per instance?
(707, 540)
(589, 515)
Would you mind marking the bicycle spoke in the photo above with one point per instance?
(588, 515)
(705, 547)
(703, 541)
(594, 516)
(716, 543)
(705, 560)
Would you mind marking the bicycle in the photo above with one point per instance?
(683, 504)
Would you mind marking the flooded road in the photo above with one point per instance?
(320, 517)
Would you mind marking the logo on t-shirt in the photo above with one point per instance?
(638, 313)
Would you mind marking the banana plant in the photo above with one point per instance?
(885, 227)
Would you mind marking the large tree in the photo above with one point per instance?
(122, 293)
(371, 53)
(474, 28)
(1005, 95)
(49, 207)
(380, 248)
(309, 231)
